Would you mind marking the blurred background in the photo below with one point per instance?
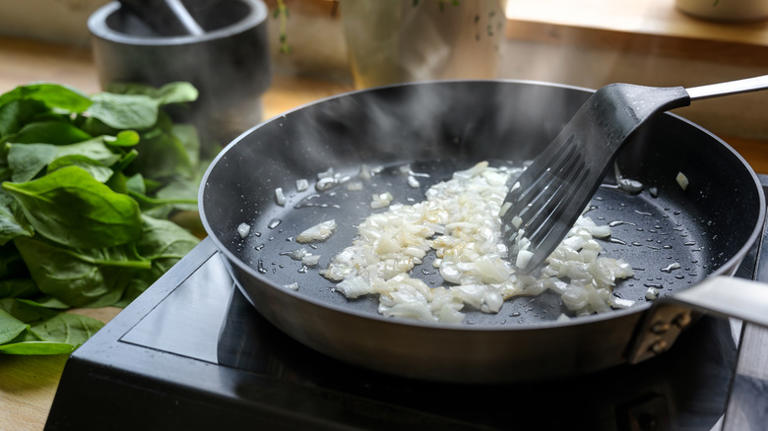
(587, 43)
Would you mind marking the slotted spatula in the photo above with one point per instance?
(545, 201)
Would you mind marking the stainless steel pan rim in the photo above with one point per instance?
(725, 269)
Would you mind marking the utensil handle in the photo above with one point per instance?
(726, 88)
(728, 296)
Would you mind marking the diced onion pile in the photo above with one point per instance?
(459, 220)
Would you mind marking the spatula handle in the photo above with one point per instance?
(726, 88)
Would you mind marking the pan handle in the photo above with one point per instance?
(721, 295)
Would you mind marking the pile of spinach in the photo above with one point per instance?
(87, 186)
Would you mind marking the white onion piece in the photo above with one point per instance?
(301, 185)
(279, 196)
(381, 200)
(243, 229)
(310, 259)
(682, 180)
(651, 294)
(292, 286)
(318, 232)
(523, 258)
(355, 186)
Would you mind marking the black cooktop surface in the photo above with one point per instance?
(191, 352)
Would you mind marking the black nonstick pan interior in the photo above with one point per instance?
(703, 228)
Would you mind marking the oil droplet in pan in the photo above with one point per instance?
(274, 223)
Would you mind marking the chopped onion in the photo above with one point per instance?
(523, 257)
(279, 196)
(413, 182)
(318, 232)
(243, 229)
(651, 294)
(301, 185)
(381, 200)
(325, 183)
(292, 286)
(310, 259)
(459, 220)
(682, 180)
(355, 186)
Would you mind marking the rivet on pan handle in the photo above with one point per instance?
(722, 296)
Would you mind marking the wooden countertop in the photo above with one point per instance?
(28, 384)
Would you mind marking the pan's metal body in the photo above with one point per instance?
(444, 126)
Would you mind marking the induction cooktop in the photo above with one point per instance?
(192, 353)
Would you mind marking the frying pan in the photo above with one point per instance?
(439, 127)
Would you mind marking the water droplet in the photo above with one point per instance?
(689, 243)
(654, 285)
(676, 212)
(617, 241)
(258, 247)
(636, 244)
(289, 239)
(639, 229)
(666, 247)
(274, 223)
(515, 314)
(260, 267)
(679, 276)
(643, 213)
(302, 270)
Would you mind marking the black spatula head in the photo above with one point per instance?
(545, 201)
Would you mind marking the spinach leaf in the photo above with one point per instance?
(123, 111)
(72, 329)
(12, 220)
(10, 327)
(49, 132)
(146, 202)
(45, 302)
(94, 149)
(163, 239)
(174, 92)
(70, 207)
(77, 277)
(187, 135)
(126, 138)
(27, 160)
(17, 287)
(14, 114)
(97, 170)
(24, 312)
(53, 95)
(162, 155)
(135, 184)
(37, 348)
